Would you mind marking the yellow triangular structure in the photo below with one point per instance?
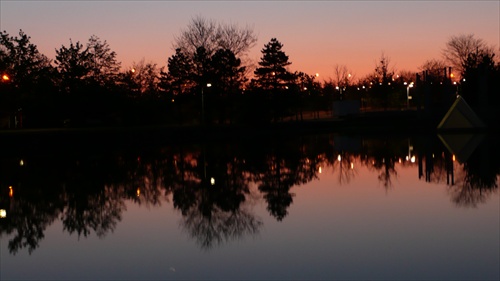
(460, 116)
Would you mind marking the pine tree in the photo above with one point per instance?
(178, 79)
(228, 74)
(272, 73)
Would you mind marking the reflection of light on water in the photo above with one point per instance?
(11, 191)
(3, 213)
(352, 165)
(138, 192)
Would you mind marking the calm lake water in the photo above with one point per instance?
(298, 207)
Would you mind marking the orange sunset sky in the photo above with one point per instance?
(316, 35)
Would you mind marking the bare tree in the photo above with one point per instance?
(232, 37)
(342, 75)
(145, 76)
(209, 34)
(458, 48)
(200, 32)
(405, 76)
(383, 70)
(433, 67)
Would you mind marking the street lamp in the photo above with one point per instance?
(340, 91)
(408, 95)
(203, 103)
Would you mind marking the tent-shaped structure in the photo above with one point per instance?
(460, 116)
(461, 145)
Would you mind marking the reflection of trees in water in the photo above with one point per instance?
(285, 165)
(99, 212)
(211, 188)
(478, 179)
(145, 182)
(275, 186)
(343, 165)
(387, 171)
(209, 183)
(437, 169)
(471, 190)
(28, 220)
(434, 161)
(383, 155)
(219, 226)
(91, 203)
(34, 205)
(466, 195)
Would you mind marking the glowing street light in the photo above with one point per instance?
(3, 214)
(203, 103)
(5, 77)
(408, 95)
(340, 91)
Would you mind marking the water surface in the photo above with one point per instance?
(307, 207)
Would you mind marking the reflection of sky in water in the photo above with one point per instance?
(355, 230)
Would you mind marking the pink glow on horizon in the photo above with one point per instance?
(316, 35)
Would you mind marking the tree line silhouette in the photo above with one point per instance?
(210, 184)
(210, 78)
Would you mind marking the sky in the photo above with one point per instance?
(317, 35)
